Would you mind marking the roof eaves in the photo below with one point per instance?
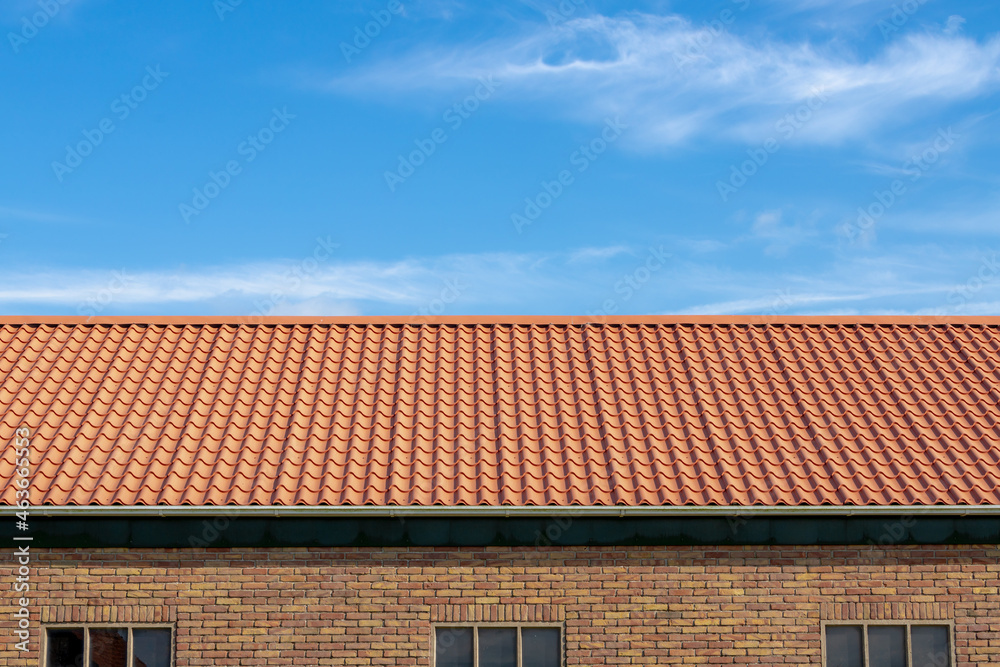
(513, 511)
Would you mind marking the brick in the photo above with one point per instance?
(618, 606)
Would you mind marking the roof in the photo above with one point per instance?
(655, 412)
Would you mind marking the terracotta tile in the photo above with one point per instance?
(505, 414)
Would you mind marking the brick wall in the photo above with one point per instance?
(619, 605)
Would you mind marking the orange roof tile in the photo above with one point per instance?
(532, 411)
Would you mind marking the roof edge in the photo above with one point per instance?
(509, 511)
(513, 320)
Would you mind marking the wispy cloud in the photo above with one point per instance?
(780, 236)
(596, 254)
(676, 81)
(32, 215)
(279, 288)
(954, 24)
(979, 218)
(916, 280)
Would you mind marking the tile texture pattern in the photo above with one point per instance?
(504, 414)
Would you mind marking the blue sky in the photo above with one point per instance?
(535, 157)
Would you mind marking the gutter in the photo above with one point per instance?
(475, 511)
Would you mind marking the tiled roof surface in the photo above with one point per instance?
(493, 414)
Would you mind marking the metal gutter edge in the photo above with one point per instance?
(363, 511)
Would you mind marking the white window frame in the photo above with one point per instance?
(87, 627)
(498, 625)
(905, 624)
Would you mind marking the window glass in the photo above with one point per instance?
(65, 648)
(453, 647)
(497, 647)
(541, 647)
(108, 647)
(930, 646)
(843, 646)
(886, 646)
(151, 647)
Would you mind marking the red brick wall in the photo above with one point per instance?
(624, 605)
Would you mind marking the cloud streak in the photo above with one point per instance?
(525, 283)
(677, 81)
(30, 215)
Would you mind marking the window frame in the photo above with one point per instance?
(87, 627)
(490, 625)
(905, 623)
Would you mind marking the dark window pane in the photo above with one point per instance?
(541, 647)
(453, 647)
(930, 646)
(151, 647)
(843, 646)
(109, 647)
(65, 648)
(497, 647)
(886, 646)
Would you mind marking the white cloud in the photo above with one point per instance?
(767, 223)
(675, 81)
(780, 236)
(776, 302)
(301, 287)
(31, 215)
(596, 254)
(954, 24)
(928, 280)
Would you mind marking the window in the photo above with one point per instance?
(497, 646)
(887, 645)
(108, 646)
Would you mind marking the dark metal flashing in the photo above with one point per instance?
(220, 531)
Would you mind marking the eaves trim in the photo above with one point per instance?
(359, 511)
